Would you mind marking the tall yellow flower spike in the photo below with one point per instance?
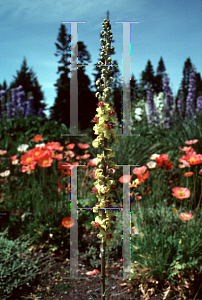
(106, 136)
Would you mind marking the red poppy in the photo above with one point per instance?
(70, 146)
(147, 191)
(188, 174)
(93, 272)
(185, 216)
(143, 177)
(191, 142)
(125, 178)
(83, 146)
(181, 193)
(37, 138)
(67, 222)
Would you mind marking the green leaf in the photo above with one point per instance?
(94, 296)
(107, 291)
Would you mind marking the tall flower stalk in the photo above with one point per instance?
(150, 106)
(168, 112)
(199, 105)
(106, 136)
(15, 105)
(191, 97)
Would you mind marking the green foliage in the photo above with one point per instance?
(162, 229)
(91, 255)
(20, 130)
(16, 266)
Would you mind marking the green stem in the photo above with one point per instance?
(195, 177)
(102, 247)
(198, 207)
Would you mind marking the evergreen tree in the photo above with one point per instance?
(29, 82)
(87, 102)
(185, 80)
(159, 76)
(60, 111)
(3, 86)
(147, 76)
(184, 85)
(134, 90)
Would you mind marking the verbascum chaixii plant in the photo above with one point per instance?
(106, 136)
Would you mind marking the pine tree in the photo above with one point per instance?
(134, 90)
(86, 97)
(28, 80)
(60, 111)
(159, 76)
(147, 76)
(185, 80)
(3, 86)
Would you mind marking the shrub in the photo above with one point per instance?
(16, 266)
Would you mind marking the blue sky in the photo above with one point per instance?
(171, 29)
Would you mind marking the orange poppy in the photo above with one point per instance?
(191, 142)
(70, 146)
(125, 178)
(67, 222)
(143, 177)
(139, 170)
(83, 146)
(147, 191)
(93, 272)
(37, 138)
(194, 159)
(181, 193)
(185, 216)
(188, 174)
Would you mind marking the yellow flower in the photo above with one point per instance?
(95, 208)
(104, 189)
(99, 159)
(109, 133)
(98, 173)
(135, 183)
(104, 129)
(106, 236)
(174, 210)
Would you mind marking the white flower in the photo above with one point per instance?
(5, 174)
(15, 162)
(23, 148)
(138, 114)
(40, 145)
(151, 164)
(154, 156)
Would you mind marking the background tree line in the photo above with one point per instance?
(87, 102)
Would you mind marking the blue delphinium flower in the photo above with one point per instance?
(30, 107)
(150, 103)
(180, 106)
(40, 112)
(191, 97)
(199, 105)
(168, 101)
